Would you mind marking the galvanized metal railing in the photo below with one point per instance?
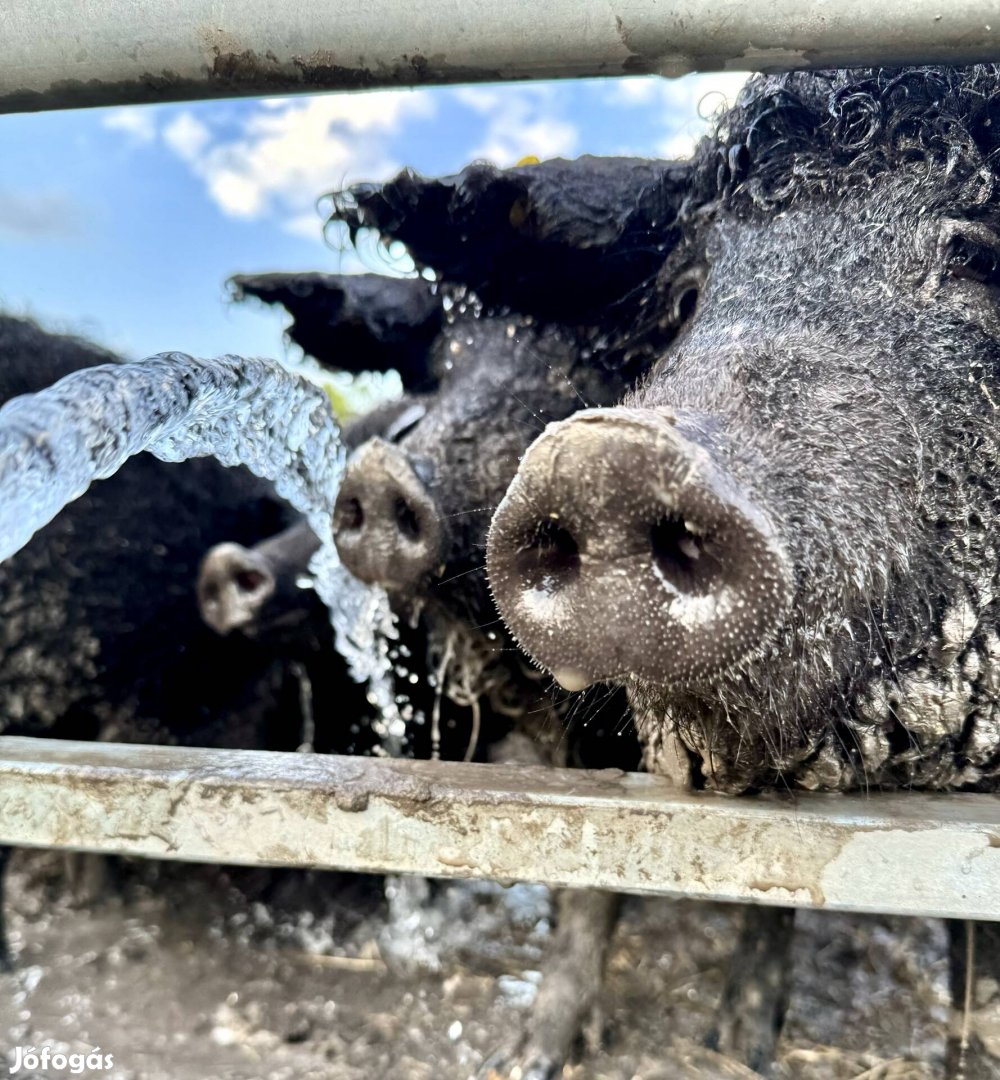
(73, 53)
(908, 853)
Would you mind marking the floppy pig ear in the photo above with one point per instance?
(552, 239)
(356, 322)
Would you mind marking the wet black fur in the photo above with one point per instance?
(831, 220)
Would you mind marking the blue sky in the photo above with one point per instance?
(123, 224)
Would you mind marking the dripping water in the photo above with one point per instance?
(55, 443)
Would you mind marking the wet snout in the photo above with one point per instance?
(385, 521)
(623, 549)
(248, 589)
(234, 583)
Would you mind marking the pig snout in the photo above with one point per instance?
(623, 549)
(248, 589)
(233, 585)
(385, 522)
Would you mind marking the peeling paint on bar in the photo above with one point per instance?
(905, 853)
(75, 53)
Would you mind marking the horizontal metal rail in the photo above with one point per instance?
(72, 53)
(907, 853)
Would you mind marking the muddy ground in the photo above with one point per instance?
(195, 972)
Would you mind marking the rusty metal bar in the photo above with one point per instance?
(72, 53)
(906, 853)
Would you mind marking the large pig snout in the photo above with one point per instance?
(385, 521)
(623, 549)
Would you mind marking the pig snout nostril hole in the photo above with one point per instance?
(249, 581)
(551, 559)
(406, 519)
(680, 555)
(353, 515)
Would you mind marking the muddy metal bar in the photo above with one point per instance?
(70, 53)
(909, 854)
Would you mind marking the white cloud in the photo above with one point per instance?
(687, 104)
(524, 122)
(635, 90)
(482, 99)
(681, 144)
(136, 121)
(697, 95)
(704, 94)
(287, 151)
(187, 136)
(274, 157)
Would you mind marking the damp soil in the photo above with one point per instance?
(205, 973)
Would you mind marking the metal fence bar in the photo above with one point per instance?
(72, 53)
(910, 853)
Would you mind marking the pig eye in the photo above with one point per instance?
(682, 296)
(684, 305)
(974, 256)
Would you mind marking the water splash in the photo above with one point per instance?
(365, 630)
(54, 444)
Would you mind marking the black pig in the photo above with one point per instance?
(538, 268)
(265, 593)
(802, 497)
(101, 631)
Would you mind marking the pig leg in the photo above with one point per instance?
(974, 955)
(6, 961)
(89, 877)
(570, 987)
(752, 1009)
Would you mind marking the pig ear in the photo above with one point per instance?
(555, 238)
(356, 322)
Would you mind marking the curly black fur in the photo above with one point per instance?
(819, 134)
(833, 216)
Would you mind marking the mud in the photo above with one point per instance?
(197, 972)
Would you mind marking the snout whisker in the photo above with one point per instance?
(463, 573)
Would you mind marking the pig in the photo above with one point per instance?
(264, 592)
(782, 542)
(535, 268)
(102, 637)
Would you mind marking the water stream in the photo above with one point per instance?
(54, 444)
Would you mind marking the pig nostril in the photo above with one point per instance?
(353, 515)
(249, 580)
(680, 555)
(406, 519)
(551, 559)
(386, 523)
